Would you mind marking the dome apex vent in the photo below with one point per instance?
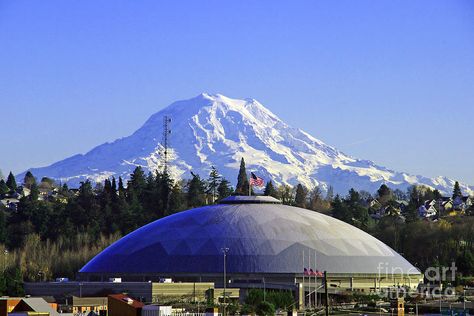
(249, 199)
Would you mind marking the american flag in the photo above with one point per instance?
(256, 181)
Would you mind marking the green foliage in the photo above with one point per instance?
(301, 196)
(11, 182)
(242, 187)
(224, 189)
(196, 194)
(254, 297)
(278, 299)
(3, 227)
(340, 210)
(270, 190)
(384, 194)
(28, 180)
(265, 309)
(317, 202)
(281, 299)
(465, 262)
(4, 189)
(457, 190)
(213, 183)
(285, 193)
(176, 199)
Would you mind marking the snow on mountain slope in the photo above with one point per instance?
(214, 130)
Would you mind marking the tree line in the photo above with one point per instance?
(50, 236)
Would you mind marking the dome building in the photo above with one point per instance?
(267, 244)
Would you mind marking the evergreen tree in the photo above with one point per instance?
(4, 189)
(176, 202)
(151, 201)
(3, 285)
(384, 194)
(457, 190)
(121, 189)
(415, 201)
(11, 182)
(85, 209)
(242, 187)
(357, 212)
(34, 192)
(340, 210)
(28, 180)
(213, 184)
(195, 196)
(437, 195)
(270, 190)
(105, 200)
(300, 196)
(137, 183)
(114, 186)
(224, 189)
(64, 190)
(3, 227)
(165, 187)
(15, 283)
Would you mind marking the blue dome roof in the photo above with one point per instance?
(261, 237)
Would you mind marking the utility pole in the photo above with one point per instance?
(165, 141)
(224, 252)
(326, 292)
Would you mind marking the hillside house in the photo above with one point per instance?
(428, 210)
(445, 204)
(9, 203)
(401, 205)
(462, 203)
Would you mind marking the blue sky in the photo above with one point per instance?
(389, 81)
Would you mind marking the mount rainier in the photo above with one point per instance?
(214, 130)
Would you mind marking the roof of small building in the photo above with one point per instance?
(123, 298)
(89, 301)
(38, 304)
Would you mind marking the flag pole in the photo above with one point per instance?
(250, 186)
(309, 284)
(304, 292)
(315, 281)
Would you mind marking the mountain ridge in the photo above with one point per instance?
(215, 130)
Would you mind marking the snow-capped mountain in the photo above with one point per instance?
(214, 130)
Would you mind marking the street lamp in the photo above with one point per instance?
(464, 300)
(264, 289)
(224, 252)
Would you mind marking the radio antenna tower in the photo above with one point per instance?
(165, 141)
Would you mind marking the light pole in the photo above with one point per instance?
(224, 252)
(264, 289)
(464, 300)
